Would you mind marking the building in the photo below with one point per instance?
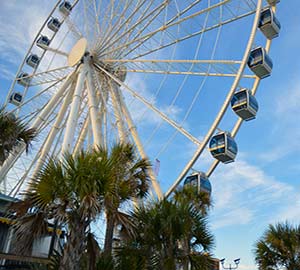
(38, 252)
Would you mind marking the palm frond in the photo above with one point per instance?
(13, 133)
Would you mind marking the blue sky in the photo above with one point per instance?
(262, 186)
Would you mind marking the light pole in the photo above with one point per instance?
(236, 261)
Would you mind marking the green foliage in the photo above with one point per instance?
(74, 191)
(279, 248)
(13, 132)
(105, 263)
(189, 194)
(129, 180)
(69, 191)
(168, 233)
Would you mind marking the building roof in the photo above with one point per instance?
(6, 198)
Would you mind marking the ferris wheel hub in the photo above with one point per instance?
(77, 52)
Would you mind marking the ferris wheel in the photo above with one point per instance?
(161, 74)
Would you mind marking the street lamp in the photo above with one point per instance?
(236, 261)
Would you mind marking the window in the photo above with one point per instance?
(231, 145)
(268, 61)
(253, 103)
(265, 17)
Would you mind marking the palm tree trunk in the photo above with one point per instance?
(74, 248)
(109, 233)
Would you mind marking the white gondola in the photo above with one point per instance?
(65, 8)
(23, 79)
(223, 147)
(43, 42)
(33, 60)
(199, 180)
(260, 63)
(268, 24)
(273, 2)
(54, 24)
(16, 98)
(244, 104)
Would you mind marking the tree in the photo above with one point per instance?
(169, 234)
(13, 132)
(74, 191)
(279, 248)
(189, 194)
(69, 191)
(129, 180)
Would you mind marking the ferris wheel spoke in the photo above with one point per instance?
(222, 68)
(53, 132)
(110, 23)
(85, 19)
(34, 163)
(40, 119)
(137, 141)
(204, 74)
(56, 51)
(93, 108)
(143, 38)
(117, 112)
(182, 12)
(97, 30)
(183, 38)
(74, 110)
(153, 108)
(177, 16)
(148, 17)
(110, 35)
(105, 19)
(104, 104)
(36, 96)
(82, 135)
(73, 28)
(134, 44)
(54, 75)
(20, 182)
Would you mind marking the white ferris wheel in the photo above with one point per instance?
(161, 74)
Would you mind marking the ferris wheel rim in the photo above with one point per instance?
(23, 63)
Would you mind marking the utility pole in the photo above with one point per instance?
(236, 262)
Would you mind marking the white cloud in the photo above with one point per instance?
(6, 73)
(290, 212)
(285, 130)
(240, 215)
(17, 34)
(242, 191)
(140, 112)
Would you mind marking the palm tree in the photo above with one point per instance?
(189, 194)
(129, 180)
(279, 248)
(75, 191)
(169, 234)
(13, 132)
(69, 191)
